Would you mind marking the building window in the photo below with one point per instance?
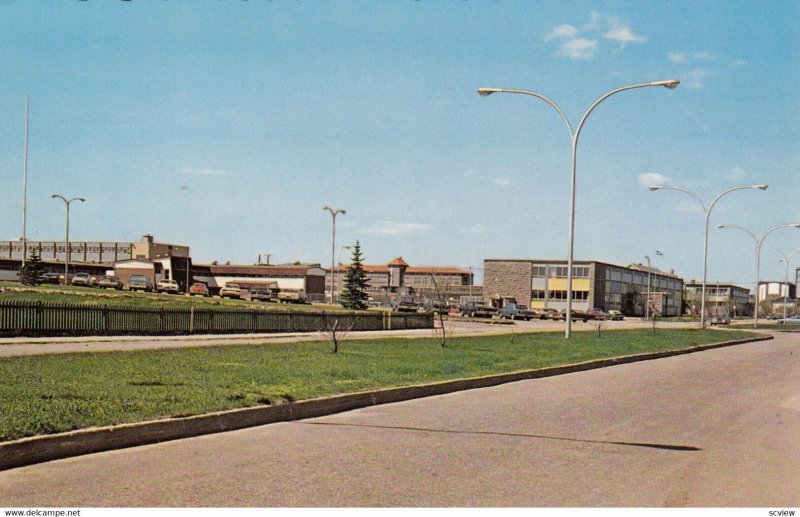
(538, 294)
(539, 271)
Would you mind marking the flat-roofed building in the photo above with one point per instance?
(309, 278)
(542, 284)
(721, 299)
(397, 277)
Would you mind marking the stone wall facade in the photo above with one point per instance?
(507, 278)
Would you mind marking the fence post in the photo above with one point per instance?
(191, 319)
(161, 320)
(105, 319)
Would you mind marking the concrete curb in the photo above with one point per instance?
(39, 449)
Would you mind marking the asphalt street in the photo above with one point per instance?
(717, 428)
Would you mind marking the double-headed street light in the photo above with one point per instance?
(334, 212)
(575, 134)
(67, 202)
(649, 270)
(758, 243)
(707, 212)
(786, 259)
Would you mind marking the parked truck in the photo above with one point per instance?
(514, 311)
(476, 310)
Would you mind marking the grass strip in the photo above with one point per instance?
(54, 393)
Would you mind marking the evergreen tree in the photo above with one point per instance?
(355, 283)
(31, 273)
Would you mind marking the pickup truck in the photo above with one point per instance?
(292, 296)
(476, 310)
(139, 283)
(516, 312)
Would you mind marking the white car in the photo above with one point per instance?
(231, 291)
(168, 286)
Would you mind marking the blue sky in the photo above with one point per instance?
(227, 125)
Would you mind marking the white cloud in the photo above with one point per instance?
(703, 55)
(695, 78)
(579, 48)
(503, 182)
(677, 57)
(652, 178)
(583, 43)
(394, 229)
(741, 62)
(736, 173)
(561, 31)
(623, 34)
(478, 229)
(204, 172)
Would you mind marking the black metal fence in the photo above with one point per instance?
(24, 318)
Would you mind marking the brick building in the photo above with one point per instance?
(542, 283)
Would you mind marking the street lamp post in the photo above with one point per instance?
(786, 259)
(649, 270)
(334, 212)
(338, 262)
(707, 212)
(575, 134)
(758, 243)
(67, 202)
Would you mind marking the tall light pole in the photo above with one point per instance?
(338, 262)
(575, 134)
(707, 212)
(334, 212)
(25, 185)
(649, 270)
(758, 243)
(67, 202)
(786, 259)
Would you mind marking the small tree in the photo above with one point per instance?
(31, 272)
(335, 329)
(440, 290)
(355, 283)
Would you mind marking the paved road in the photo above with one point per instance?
(717, 428)
(10, 347)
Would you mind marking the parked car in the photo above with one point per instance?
(597, 314)
(231, 291)
(436, 306)
(516, 312)
(199, 289)
(548, 314)
(84, 279)
(50, 278)
(791, 320)
(139, 283)
(720, 319)
(405, 304)
(292, 296)
(168, 286)
(576, 315)
(262, 295)
(615, 315)
(476, 310)
(109, 282)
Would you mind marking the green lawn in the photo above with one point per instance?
(53, 393)
(90, 295)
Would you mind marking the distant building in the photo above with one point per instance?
(299, 277)
(542, 283)
(98, 257)
(721, 299)
(397, 277)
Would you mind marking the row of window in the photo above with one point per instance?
(560, 271)
(539, 294)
